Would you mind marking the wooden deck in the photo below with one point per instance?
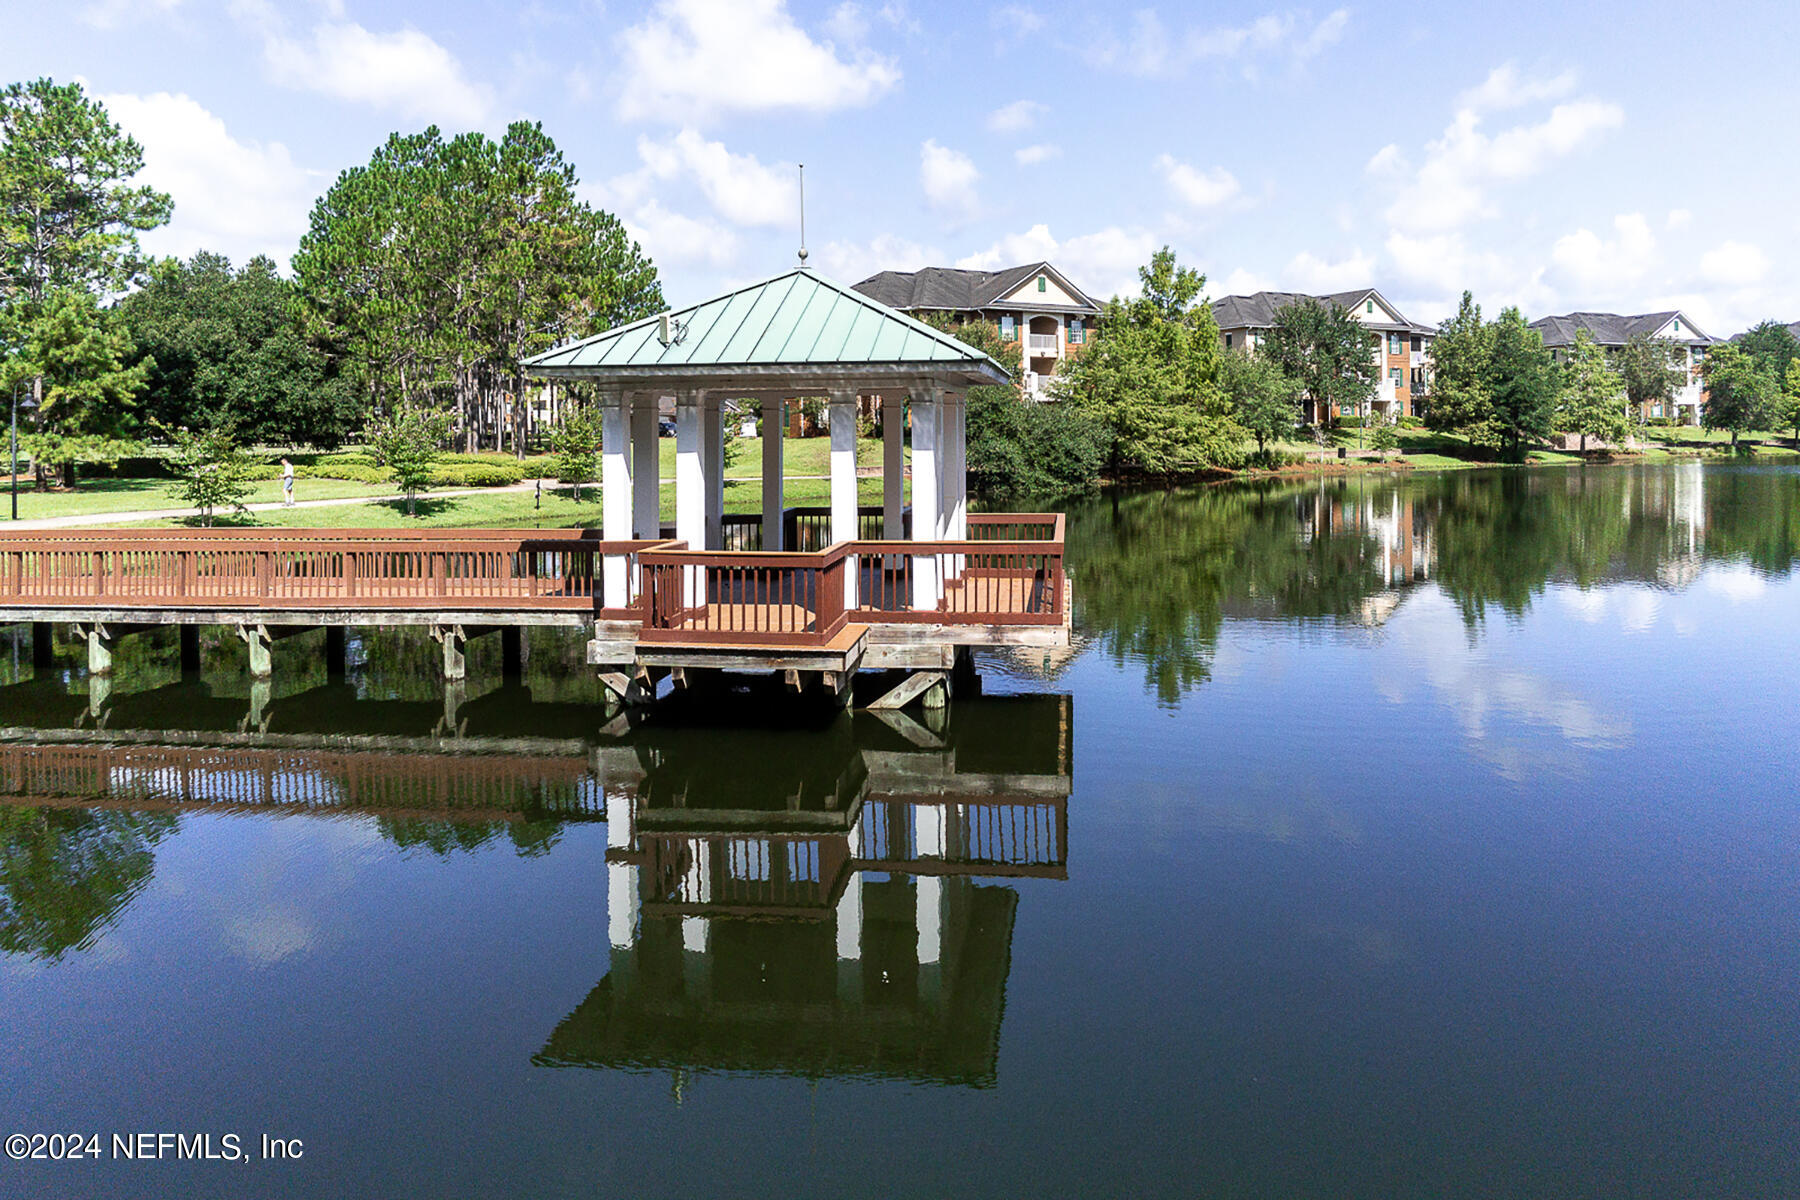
(1008, 574)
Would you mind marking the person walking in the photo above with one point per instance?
(287, 484)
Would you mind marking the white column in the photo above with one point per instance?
(690, 486)
(844, 523)
(774, 440)
(926, 491)
(893, 466)
(712, 443)
(646, 467)
(615, 495)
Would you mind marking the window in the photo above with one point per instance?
(1228, 341)
(1675, 325)
(1076, 332)
(1008, 331)
(1394, 374)
(1043, 284)
(1418, 343)
(1369, 307)
(1393, 343)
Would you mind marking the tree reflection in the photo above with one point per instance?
(1157, 573)
(445, 839)
(67, 873)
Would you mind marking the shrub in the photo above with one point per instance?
(487, 474)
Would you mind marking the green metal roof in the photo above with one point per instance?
(795, 325)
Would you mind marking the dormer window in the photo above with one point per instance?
(1043, 284)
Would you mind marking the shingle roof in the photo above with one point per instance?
(1612, 329)
(953, 289)
(796, 323)
(1257, 311)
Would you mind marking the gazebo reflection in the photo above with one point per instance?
(832, 919)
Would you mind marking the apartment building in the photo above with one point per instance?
(1401, 346)
(1612, 330)
(1034, 307)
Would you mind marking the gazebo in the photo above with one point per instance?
(797, 590)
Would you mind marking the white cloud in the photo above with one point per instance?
(239, 198)
(1148, 47)
(1016, 117)
(1679, 218)
(948, 177)
(1016, 18)
(689, 59)
(404, 71)
(1309, 273)
(1734, 264)
(673, 237)
(1196, 187)
(852, 261)
(1443, 265)
(1102, 263)
(1506, 88)
(740, 189)
(1241, 282)
(1597, 264)
(113, 14)
(1450, 187)
(1389, 161)
(1030, 156)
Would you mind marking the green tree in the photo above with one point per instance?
(575, 440)
(1789, 400)
(1461, 357)
(69, 217)
(1773, 345)
(75, 355)
(435, 269)
(1384, 433)
(407, 442)
(211, 470)
(1738, 391)
(1592, 400)
(226, 347)
(1018, 448)
(1523, 385)
(1266, 400)
(1328, 352)
(1150, 378)
(1652, 369)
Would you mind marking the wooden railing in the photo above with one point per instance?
(714, 596)
(315, 569)
(743, 875)
(1009, 571)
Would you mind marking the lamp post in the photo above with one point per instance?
(28, 406)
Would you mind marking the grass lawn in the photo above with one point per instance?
(801, 456)
(516, 510)
(125, 495)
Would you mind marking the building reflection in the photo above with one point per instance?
(835, 916)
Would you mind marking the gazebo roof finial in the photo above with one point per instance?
(803, 214)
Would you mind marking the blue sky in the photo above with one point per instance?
(1556, 156)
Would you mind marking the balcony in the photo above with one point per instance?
(1044, 344)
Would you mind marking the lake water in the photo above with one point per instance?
(1390, 836)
